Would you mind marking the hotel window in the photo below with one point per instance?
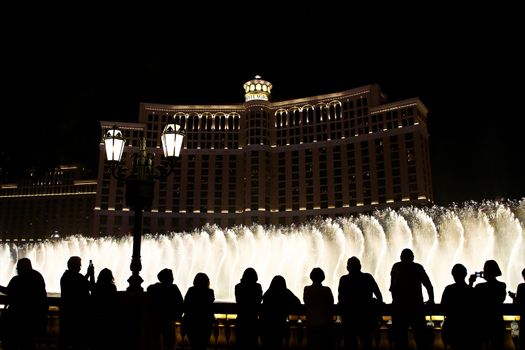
(189, 198)
(324, 194)
(295, 198)
(304, 115)
(309, 200)
(318, 114)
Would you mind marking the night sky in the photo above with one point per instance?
(67, 67)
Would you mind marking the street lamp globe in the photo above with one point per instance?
(171, 138)
(114, 143)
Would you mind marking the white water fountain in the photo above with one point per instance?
(440, 237)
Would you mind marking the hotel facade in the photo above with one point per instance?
(274, 163)
(49, 204)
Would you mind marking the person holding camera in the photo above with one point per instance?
(489, 297)
(75, 294)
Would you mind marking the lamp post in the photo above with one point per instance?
(140, 181)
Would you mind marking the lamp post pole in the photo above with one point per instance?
(140, 183)
(139, 197)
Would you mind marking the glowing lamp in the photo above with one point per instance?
(171, 139)
(114, 143)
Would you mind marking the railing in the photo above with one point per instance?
(223, 335)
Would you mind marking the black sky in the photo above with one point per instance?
(67, 67)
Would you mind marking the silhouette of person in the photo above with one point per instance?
(248, 295)
(519, 299)
(406, 281)
(458, 306)
(103, 311)
(489, 297)
(166, 303)
(278, 302)
(75, 297)
(360, 311)
(26, 310)
(198, 317)
(319, 304)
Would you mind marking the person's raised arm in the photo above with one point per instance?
(472, 279)
(90, 275)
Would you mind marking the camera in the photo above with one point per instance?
(478, 274)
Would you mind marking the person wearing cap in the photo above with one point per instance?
(489, 297)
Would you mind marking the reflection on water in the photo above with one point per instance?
(439, 236)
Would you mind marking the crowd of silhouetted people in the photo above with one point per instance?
(88, 309)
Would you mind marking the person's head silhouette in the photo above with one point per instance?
(74, 263)
(459, 272)
(165, 276)
(317, 275)
(201, 281)
(23, 266)
(105, 276)
(249, 276)
(278, 284)
(353, 265)
(491, 269)
(407, 255)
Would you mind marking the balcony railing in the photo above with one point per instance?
(223, 335)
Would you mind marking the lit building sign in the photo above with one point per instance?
(251, 97)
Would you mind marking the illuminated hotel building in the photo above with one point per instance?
(40, 205)
(277, 162)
